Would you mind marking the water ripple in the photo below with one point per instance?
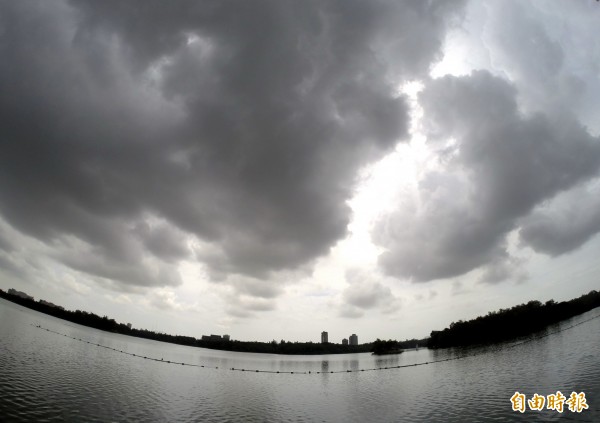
(84, 376)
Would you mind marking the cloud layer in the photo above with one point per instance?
(135, 137)
(139, 138)
(496, 164)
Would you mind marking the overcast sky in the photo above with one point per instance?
(273, 169)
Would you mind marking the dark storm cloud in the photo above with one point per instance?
(496, 166)
(242, 123)
(163, 241)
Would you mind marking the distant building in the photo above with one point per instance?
(353, 339)
(344, 341)
(324, 337)
(215, 338)
(128, 325)
(12, 291)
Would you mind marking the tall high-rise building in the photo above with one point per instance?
(353, 339)
(344, 341)
(324, 338)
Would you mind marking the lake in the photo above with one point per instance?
(45, 376)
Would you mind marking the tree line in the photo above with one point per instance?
(507, 324)
(110, 325)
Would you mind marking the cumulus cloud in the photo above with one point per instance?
(496, 164)
(244, 306)
(565, 223)
(162, 299)
(162, 240)
(552, 60)
(363, 293)
(257, 288)
(241, 124)
(366, 295)
(350, 312)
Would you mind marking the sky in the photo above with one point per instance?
(274, 169)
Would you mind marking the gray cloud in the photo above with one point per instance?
(363, 293)
(5, 244)
(552, 60)
(498, 165)
(367, 295)
(8, 266)
(350, 312)
(257, 288)
(163, 241)
(167, 301)
(242, 124)
(502, 268)
(244, 306)
(565, 223)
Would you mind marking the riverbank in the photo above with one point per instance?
(498, 326)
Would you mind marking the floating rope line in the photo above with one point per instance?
(425, 363)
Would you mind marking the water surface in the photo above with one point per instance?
(49, 377)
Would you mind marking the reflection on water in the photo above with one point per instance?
(55, 378)
(387, 360)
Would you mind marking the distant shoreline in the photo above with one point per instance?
(110, 325)
(495, 327)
